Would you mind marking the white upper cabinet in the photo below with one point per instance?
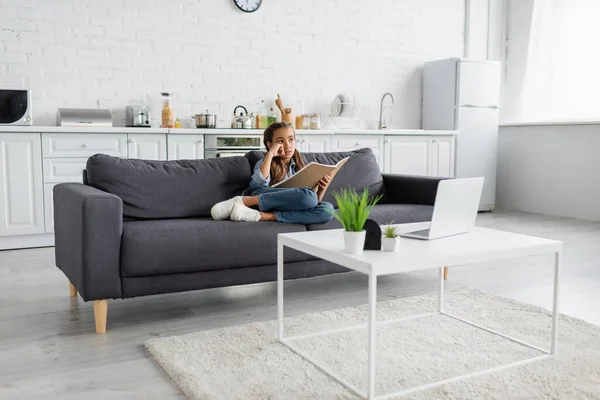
(21, 191)
(147, 146)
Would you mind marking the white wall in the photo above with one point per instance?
(476, 28)
(86, 53)
(551, 170)
(519, 15)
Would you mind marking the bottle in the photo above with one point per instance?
(264, 114)
(167, 111)
(272, 116)
(177, 123)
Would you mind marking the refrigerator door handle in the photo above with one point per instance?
(475, 106)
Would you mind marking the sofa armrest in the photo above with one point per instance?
(409, 189)
(88, 224)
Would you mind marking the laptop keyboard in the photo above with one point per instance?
(424, 232)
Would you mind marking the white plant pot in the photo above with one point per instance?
(390, 244)
(354, 241)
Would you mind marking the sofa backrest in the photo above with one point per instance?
(168, 189)
(360, 171)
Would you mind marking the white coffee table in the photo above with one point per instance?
(478, 246)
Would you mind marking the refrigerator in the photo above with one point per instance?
(464, 95)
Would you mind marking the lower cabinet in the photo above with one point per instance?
(147, 146)
(407, 155)
(442, 157)
(314, 143)
(419, 155)
(354, 142)
(185, 147)
(32, 164)
(49, 207)
(21, 191)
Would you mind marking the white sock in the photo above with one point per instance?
(222, 210)
(242, 213)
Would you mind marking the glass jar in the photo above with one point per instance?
(315, 121)
(306, 121)
(167, 111)
(299, 120)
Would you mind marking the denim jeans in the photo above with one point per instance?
(293, 206)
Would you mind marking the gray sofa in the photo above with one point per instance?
(138, 227)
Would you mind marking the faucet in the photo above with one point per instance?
(383, 125)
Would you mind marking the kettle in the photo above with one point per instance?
(242, 121)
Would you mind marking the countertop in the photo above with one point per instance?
(220, 131)
(551, 123)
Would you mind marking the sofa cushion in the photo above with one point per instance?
(168, 189)
(386, 213)
(361, 171)
(192, 245)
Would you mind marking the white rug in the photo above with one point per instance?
(246, 361)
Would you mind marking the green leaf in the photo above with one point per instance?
(390, 231)
(353, 209)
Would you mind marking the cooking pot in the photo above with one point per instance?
(242, 121)
(205, 120)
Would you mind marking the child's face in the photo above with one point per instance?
(285, 136)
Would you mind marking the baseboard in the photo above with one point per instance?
(487, 208)
(26, 241)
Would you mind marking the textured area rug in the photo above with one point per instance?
(246, 361)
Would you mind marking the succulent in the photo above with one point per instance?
(390, 231)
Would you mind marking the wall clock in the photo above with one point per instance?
(248, 5)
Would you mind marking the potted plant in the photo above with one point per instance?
(353, 212)
(390, 240)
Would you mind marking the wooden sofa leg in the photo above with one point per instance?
(72, 290)
(445, 273)
(100, 310)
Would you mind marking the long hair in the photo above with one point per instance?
(278, 165)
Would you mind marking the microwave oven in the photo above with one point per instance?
(15, 107)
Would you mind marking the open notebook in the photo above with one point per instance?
(310, 175)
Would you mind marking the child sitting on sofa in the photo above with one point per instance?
(294, 206)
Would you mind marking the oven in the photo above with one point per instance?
(221, 146)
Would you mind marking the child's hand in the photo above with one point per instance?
(276, 150)
(324, 182)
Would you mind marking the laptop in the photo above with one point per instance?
(455, 209)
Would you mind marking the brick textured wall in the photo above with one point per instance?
(90, 53)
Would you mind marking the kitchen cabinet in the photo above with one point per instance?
(185, 147)
(408, 155)
(147, 146)
(32, 164)
(314, 143)
(419, 155)
(84, 145)
(442, 156)
(63, 169)
(21, 192)
(354, 142)
(49, 207)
